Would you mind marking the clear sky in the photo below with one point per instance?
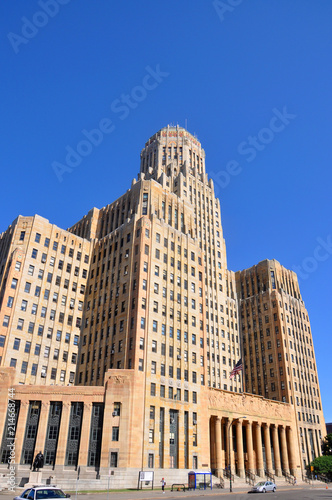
(251, 78)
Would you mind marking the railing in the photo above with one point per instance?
(323, 478)
(306, 479)
(226, 473)
(250, 478)
(221, 483)
(270, 476)
(289, 478)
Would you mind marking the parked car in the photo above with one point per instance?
(42, 493)
(264, 486)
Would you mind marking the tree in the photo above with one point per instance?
(327, 445)
(323, 465)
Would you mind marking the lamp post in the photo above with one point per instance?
(229, 451)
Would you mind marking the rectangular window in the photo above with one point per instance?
(115, 433)
(16, 344)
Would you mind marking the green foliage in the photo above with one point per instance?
(327, 445)
(323, 465)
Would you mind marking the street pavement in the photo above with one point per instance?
(307, 492)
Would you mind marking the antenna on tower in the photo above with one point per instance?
(186, 124)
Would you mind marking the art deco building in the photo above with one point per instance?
(144, 283)
(278, 348)
(43, 274)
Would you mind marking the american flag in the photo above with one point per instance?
(237, 368)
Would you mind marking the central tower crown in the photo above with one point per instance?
(170, 151)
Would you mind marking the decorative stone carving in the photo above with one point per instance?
(118, 379)
(248, 404)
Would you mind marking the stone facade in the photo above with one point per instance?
(102, 430)
(278, 349)
(43, 275)
(136, 302)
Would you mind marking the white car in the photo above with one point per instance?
(42, 493)
(264, 486)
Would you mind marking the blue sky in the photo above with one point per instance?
(252, 79)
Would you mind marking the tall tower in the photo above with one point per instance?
(164, 234)
(278, 348)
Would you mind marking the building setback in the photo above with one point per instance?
(143, 284)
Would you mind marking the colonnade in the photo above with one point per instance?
(251, 446)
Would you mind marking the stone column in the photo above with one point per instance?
(212, 443)
(223, 445)
(259, 450)
(63, 435)
(250, 448)
(227, 451)
(239, 447)
(42, 427)
(217, 427)
(275, 440)
(231, 441)
(284, 453)
(267, 442)
(85, 436)
(20, 430)
(291, 454)
(315, 443)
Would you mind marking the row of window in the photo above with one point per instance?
(43, 371)
(49, 335)
(56, 246)
(173, 393)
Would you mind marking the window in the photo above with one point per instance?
(115, 433)
(16, 345)
(22, 235)
(154, 346)
(153, 389)
(10, 301)
(27, 287)
(151, 461)
(140, 365)
(5, 321)
(34, 253)
(20, 324)
(114, 459)
(14, 284)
